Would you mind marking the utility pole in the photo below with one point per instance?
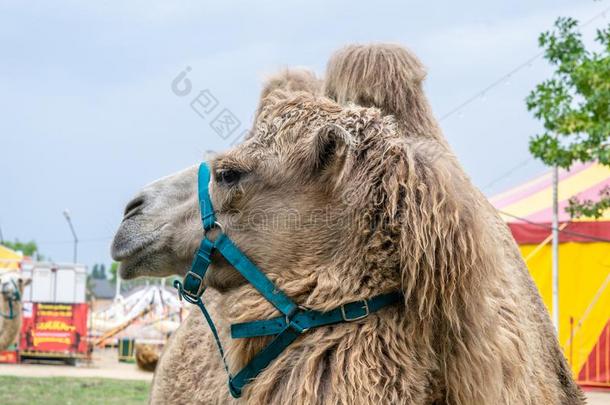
(67, 216)
(555, 269)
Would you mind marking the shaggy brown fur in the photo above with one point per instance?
(190, 369)
(414, 224)
(466, 337)
(292, 80)
(390, 77)
(147, 356)
(386, 74)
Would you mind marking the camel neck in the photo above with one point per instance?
(360, 357)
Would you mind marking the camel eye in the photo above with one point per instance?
(228, 177)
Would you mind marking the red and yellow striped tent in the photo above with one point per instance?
(9, 259)
(584, 262)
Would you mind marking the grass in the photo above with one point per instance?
(67, 390)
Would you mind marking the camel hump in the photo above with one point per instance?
(292, 80)
(385, 76)
(288, 81)
(377, 75)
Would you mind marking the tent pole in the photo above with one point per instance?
(117, 292)
(555, 270)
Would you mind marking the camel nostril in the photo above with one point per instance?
(134, 207)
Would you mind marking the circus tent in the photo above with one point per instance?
(9, 259)
(584, 262)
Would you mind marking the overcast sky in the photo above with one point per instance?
(87, 114)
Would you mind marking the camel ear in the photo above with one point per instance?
(330, 148)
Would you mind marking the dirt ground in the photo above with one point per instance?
(106, 365)
(598, 397)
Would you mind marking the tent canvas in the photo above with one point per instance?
(584, 262)
(9, 259)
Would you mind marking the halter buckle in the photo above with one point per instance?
(200, 288)
(356, 318)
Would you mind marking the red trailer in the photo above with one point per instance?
(53, 330)
(54, 312)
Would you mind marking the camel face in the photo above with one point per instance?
(285, 195)
(11, 282)
(7, 288)
(274, 201)
(160, 228)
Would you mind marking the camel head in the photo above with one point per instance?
(12, 284)
(160, 229)
(329, 201)
(156, 237)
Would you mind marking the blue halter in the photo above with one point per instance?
(294, 320)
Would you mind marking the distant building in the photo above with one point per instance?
(102, 289)
(102, 292)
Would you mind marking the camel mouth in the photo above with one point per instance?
(132, 258)
(134, 248)
(131, 267)
(126, 247)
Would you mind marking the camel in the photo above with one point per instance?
(147, 356)
(11, 287)
(463, 334)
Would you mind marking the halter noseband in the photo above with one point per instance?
(295, 319)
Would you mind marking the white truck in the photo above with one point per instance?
(57, 283)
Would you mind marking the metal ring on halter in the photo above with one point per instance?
(288, 318)
(219, 225)
(216, 225)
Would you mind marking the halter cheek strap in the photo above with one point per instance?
(287, 328)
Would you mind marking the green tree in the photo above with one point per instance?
(114, 271)
(103, 271)
(95, 273)
(574, 106)
(27, 248)
(98, 271)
